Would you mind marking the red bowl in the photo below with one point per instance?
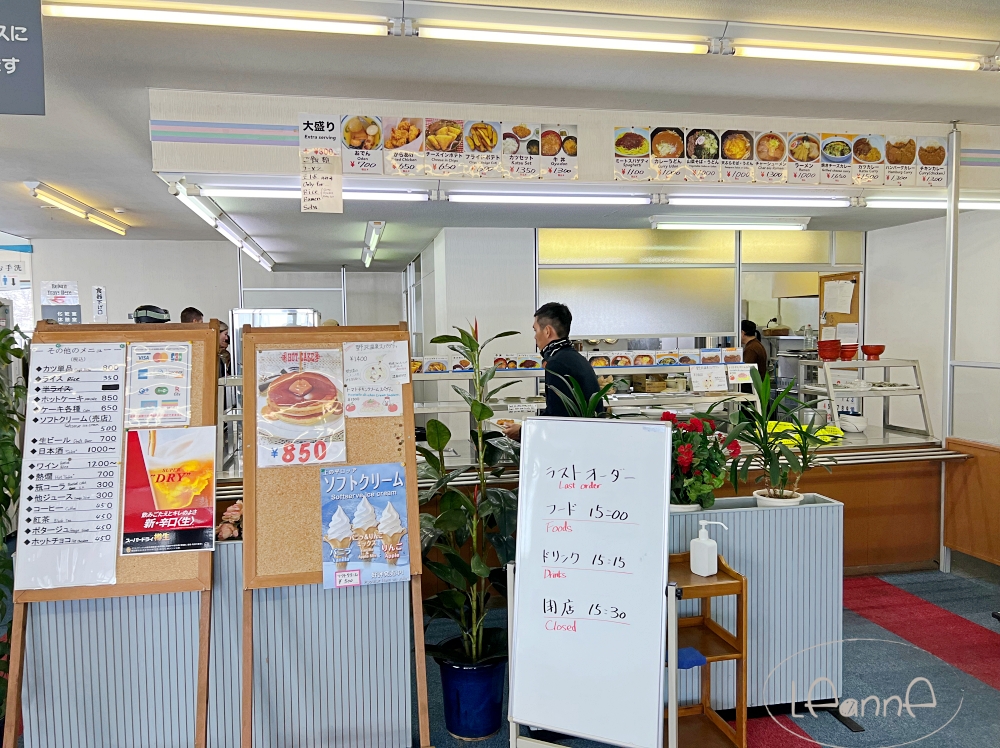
(872, 352)
(848, 352)
(829, 350)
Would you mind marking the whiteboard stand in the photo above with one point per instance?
(672, 680)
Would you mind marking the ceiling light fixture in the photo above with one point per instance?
(543, 199)
(69, 204)
(931, 204)
(762, 202)
(373, 232)
(742, 223)
(207, 209)
(912, 60)
(232, 20)
(387, 195)
(577, 38)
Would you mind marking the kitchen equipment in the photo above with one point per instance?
(812, 417)
(848, 352)
(872, 352)
(853, 424)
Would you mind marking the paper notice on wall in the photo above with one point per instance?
(159, 385)
(847, 333)
(100, 304)
(320, 164)
(60, 293)
(837, 296)
(709, 379)
(71, 473)
(828, 333)
(374, 375)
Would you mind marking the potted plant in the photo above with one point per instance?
(700, 454)
(456, 544)
(784, 446)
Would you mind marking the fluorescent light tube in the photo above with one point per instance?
(874, 202)
(763, 202)
(230, 234)
(55, 201)
(297, 194)
(731, 226)
(105, 224)
(978, 205)
(268, 23)
(199, 208)
(863, 58)
(501, 198)
(367, 255)
(562, 40)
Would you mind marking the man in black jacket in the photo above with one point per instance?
(551, 326)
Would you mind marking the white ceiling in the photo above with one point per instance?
(94, 144)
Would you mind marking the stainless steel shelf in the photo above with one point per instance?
(600, 370)
(874, 392)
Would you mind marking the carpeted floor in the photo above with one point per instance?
(897, 628)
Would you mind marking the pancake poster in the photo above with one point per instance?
(300, 408)
(364, 525)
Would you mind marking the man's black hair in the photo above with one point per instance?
(557, 315)
(191, 314)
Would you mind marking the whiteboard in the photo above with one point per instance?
(589, 635)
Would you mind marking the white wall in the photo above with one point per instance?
(375, 298)
(169, 274)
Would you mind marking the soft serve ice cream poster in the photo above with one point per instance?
(364, 525)
(169, 490)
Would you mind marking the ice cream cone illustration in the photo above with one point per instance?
(365, 528)
(340, 536)
(391, 532)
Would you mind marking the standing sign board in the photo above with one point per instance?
(22, 78)
(589, 595)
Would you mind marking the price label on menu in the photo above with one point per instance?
(71, 471)
(591, 570)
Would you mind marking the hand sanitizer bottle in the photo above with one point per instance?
(704, 552)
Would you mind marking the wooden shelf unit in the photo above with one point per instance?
(699, 725)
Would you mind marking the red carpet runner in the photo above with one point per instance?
(956, 640)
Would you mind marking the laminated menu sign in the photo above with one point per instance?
(71, 471)
(803, 158)
(158, 392)
(300, 407)
(900, 161)
(667, 154)
(709, 379)
(443, 146)
(560, 152)
(374, 375)
(482, 149)
(169, 491)
(364, 515)
(736, 164)
(404, 146)
(770, 158)
(521, 159)
(320, 166)
(632, 154)
(932, 155)
(835, 164)
(362, 152)
(868, 166)
(739, 373)
(702, 151)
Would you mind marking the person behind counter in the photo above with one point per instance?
(551, 326)
(753, 350)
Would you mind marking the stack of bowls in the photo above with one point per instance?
(829, 350)
(848, 352)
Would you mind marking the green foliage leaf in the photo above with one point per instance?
(504, 545)
(480, 411)
(455, 499)
(438, 435)
(510, 448)
(446, 574)
(431, 461)
(443, 339)
(429, 533)
(479, 566)
(451, 520)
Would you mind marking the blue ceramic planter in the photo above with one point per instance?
(473, 698)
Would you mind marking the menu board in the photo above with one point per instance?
(560, 152)
(444, 147)
(589, 599)
(71, 471)
(362, 151)
(320, 166)
(521, 149)
(482, 149)
(702, 154)
(374, 375)
(404, 146)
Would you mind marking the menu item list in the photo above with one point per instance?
(71, 471)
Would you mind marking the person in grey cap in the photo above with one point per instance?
(150, 313)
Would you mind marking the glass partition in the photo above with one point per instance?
(785, 246)
(634, 247)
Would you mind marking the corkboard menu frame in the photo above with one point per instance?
(282, 520)
(150, 574)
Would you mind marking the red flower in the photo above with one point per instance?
(685, 456)
(734, 449)
(697, 472)
(696, 425)
(711, 424)
(668, 416)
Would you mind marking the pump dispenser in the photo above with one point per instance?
(704, 552)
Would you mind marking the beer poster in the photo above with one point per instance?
(169, 491)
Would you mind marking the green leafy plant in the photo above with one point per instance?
(578, 405)
(782, 454)
(466, 527)
(700, 454)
